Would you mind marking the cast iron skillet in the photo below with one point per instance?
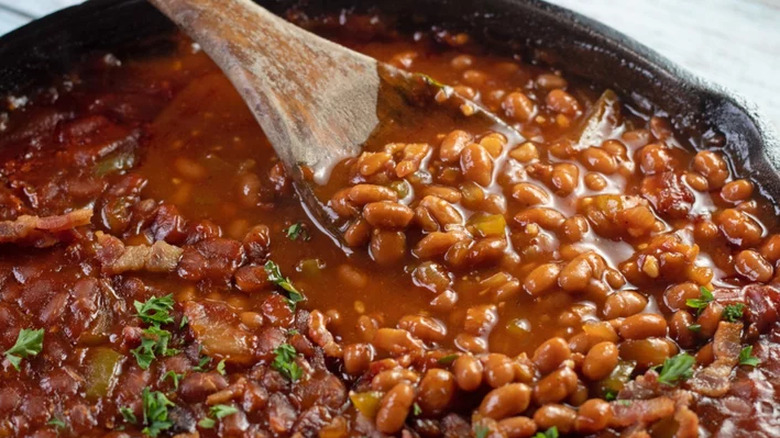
(583, 47)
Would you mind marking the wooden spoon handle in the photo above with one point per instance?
(299, 86)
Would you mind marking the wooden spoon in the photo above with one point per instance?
(317, 102)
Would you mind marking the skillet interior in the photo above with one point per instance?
(581, 46)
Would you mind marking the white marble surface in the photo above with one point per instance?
(735, 43)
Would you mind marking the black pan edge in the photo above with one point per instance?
(582, 46)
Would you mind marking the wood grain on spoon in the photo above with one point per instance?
(318, 102)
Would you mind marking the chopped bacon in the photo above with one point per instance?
(118, 258)
(713, 380)
(670, 197)
(39, 231)
(687, 423)
(220, 332)
(631, 412)
(321, 335)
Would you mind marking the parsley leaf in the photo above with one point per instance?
(448, 359)
(733, 312)
(222, 411)
(275, 276)
(155, 310)
(746, 357)
(221, 367)
(174, 376)
(154, 342)
(219, 411)
(695, 328)
(207, 423)
(202, 362)
(676, 368)
(184, 322)
(298, 230)
(549, 433)
(700, 303)
(28, 343)
(57, 423)
(610, 394)
(128, 415)
(284, 362)
(481, 431)
(155, 406)
(416, 410)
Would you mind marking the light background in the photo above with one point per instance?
(735, 43)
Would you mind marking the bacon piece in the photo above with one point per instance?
(631, 412)
(30, 229)
(220, 332)
(713, 380)
(320, 334)
(118, 258)
(670, 197)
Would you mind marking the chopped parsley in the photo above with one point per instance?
(275, 276)
(746, 357)
(184, 322)
(207, 423)
(222, 411)
(416, 410)
(284, 362)
(154, 343)
(702, 302)
(481, 431)
(296, 231)
(128, 415)
(202, 361)
(676, 369)
(174, 377)
(549, 433)
(219, 411)
(733, 312)
(28, 343)
(610, 394)
(448, 359)
(156, 311)
(57, 423)
(695, 328)
(155, 412)
(221, 367)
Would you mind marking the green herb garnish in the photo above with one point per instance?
(284, 362)
(676, 368)
(610, 394)
(154, 343)
(416, 410)
(448, 359)
(155, 418)
(174, 377)
(297, 230)
(746, 357)
(481, 431)
(207, 423)
(221, 367)
(156, 311)
(57, 423)
(222, 411)
(29, 343)
(275, 276)
(733, 312)
(702, 302)
(128, 415)
(549, 433)
(695, 327)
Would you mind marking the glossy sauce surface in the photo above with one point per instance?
(488, 287)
